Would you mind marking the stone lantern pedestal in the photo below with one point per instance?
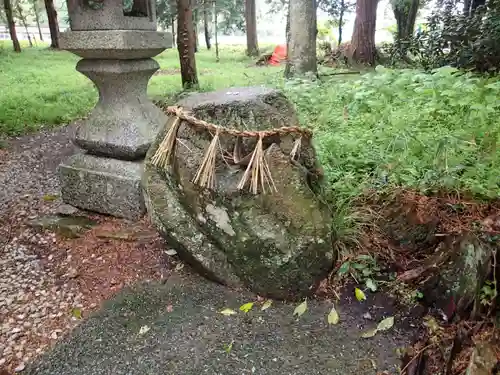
(117, 46)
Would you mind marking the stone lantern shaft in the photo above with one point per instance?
(116, 44)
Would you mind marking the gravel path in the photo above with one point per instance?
(176, 328)
(49, 282)
(28, 169)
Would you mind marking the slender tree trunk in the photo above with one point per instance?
(412, 18)
(251, 28)
(185, 44)
(206, 11)
(23, 21)
(466, 9)
(301, 48)
(12, 25)
(341, 20)
(288, 70)
(406, 16)
(53, 25)
(36, 11)
(195, 24)
(363, 37)
(476, 4)
(174, 42)
(216, 31)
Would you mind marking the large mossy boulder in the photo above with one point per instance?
(277, 244)
(456, 285)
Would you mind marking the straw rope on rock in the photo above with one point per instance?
(257, 169)
(275, 239)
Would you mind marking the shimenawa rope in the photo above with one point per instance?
(257, 171)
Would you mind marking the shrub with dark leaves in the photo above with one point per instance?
(464, 40)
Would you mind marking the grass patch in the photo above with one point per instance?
(40, 87)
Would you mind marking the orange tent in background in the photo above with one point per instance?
(279, 54)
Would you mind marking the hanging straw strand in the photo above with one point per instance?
(163, 155)
(248, 172)
(257, 172)
(205, 177)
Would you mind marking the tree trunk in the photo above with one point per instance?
(173, 33)
(476, 4)
(406, 16)
(467, 4)
(363, 37)
(341, 20)
(53, 25)
(287, 34)
(206, 11)
(12, 25)
(23, 21)
(216, 30)
(400, 22)
(185, 44)
(412, 18)
(301, 42)
(36, 11)
(194, 7)
(251, 28)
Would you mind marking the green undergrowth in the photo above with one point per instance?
(404, 128)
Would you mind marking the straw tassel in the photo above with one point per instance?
(163, 156)
(257, 172)
(205, 177)
(295, 153)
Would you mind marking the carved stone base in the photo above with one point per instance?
(103, 185)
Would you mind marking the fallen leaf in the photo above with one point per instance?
(228, 312)
(333, 317)
(360, 295)
(386, 324)
(246, 307)
(50, 197)
(370, 284)
(228, 347)
(179, 266)
(300, 309)
(143, 330)
(370, 333)
(170, 308)
(170, 252)
(266, 305)
(76, 313)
